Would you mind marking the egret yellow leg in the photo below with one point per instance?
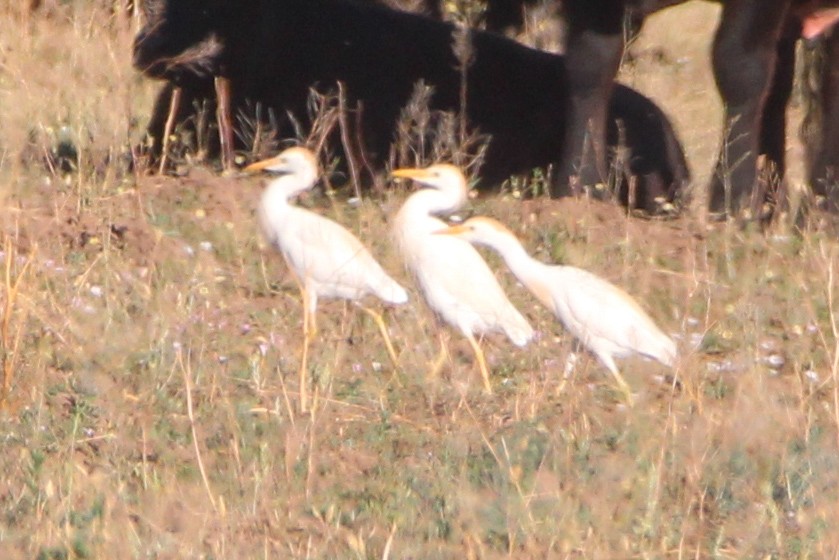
(622, 385)
(479, 355)
(442, 357)
(377, 317)
(313, 326)
(304, 359)
(308, 307)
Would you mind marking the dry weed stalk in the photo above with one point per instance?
(323, 112)
(174, 104)
(224, 121)
(186, 369)
(10, 344)
(346, 139)
(258, 128)
(834, 326)
(424, 136)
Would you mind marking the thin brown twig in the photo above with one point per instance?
(344, 128)
(185, 369)
(174, 105)
(835, 328)
(224, 120)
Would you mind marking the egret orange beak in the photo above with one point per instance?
(260, 165)
(452, 230)
(410, 173)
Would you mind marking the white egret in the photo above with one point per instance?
(607, 320)
(326, 259)
(454, 278)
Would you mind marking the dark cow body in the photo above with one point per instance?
(753, 60)
(823, 150)
(273, 51)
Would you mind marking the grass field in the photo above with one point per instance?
(150, 342)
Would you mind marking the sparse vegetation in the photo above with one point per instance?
(150, 409)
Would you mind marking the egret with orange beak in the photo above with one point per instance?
(454, 278)
(325, 259)
(606, 320)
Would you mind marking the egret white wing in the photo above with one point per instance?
(601, 313)
(333, 259)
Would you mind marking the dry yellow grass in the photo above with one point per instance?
(151, 408)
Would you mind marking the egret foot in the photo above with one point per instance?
(479, 354)
(377, 317)
(309, 333)
(440, 360)
(623, 386)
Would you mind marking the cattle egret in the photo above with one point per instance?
(457, 283)
(326, 259)
(607, 320)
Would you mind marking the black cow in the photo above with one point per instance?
(273, 51)
(823, 142)
(753, 60)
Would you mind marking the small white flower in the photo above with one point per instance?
(769, 344)
(723, 366)
(96, 291)
(774, 361)
(695, 340)
(206, 246)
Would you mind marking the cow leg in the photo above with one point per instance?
(593, 53)
(824, 169)
(744, 57)
(773, 131)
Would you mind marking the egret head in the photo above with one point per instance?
(292, 161)
(480, 229)
(442, 178)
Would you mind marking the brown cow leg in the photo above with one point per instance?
(743, 71)
(773, 131)
(225, 123)
(824, 153)
(595, 45)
